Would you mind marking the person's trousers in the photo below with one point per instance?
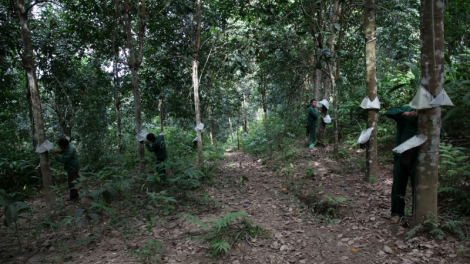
(161, 170)
(71, 176)
(313, 135)
(401, 173)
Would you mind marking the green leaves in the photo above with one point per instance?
(396, 87)
(13, 211)
(414, 70)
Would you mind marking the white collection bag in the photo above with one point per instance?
(365, 135)
(410, 143)
(327, 119)
(199, 127)
(368, 104)
(45, 146)
(325, 103)
(441, 99)
(422, 99)
(163, 133)
(142, 135)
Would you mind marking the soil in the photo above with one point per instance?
(316, 210)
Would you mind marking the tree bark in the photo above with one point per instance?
(134, 65)
(429, 120)
(263, 96)
(317, 82)
(31, 116)
(196, 87)
(231, 130)
(162, 114)
(117, 104)
(245, 122)
(335, 109)
(198, 114)
(330, 82)
(117, 86)
(327, 86)
(28, 62)
(369, 30)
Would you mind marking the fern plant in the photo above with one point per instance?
(224, 231)
(454, 173)
(439, 228)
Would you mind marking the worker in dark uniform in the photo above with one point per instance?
(404, 163)
(158, 146)
(70, 159)
(313, 115)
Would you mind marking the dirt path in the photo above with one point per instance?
(362, 235)
(280, 201)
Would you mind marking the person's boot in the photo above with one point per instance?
(311, 146)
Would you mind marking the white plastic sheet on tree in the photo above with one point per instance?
(325, 103)
(368, 104)
(365, 135)
(422, 99)
(45, 146)
(142, 135)
(195, 140)
(163, 133)
(441, 99)
(327, 119)
(199, 127)
(410, 143)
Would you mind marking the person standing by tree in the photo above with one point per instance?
(158, 146)
(70, 159)
(404, 164)
(313, 115)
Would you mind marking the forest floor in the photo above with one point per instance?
(316, 210)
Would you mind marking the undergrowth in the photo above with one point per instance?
(225, 231)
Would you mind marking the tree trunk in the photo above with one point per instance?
(245, 122)
(334, 19)
(196, 87)
(28, 62)
(429, 120)
(117, 104)
(31, 116)
(62, 122)
(134, 65)
(238, 136)
(369, 30)
(138, 117)
(265, 106)
(263, 97)
(335, 109)
(327, 85)
(117, 85)
(317, 83)
(231, 130)
(210, 125)
(210, 135)
(162, 114)
(198, 114)
(119, 123)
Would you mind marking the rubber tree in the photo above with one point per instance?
(116, 79)
(334, 8)
(195, 79)
(134, 64)
(28, 64)
(429, 120)
(371, 83)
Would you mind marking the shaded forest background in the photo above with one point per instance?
(259, 63)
